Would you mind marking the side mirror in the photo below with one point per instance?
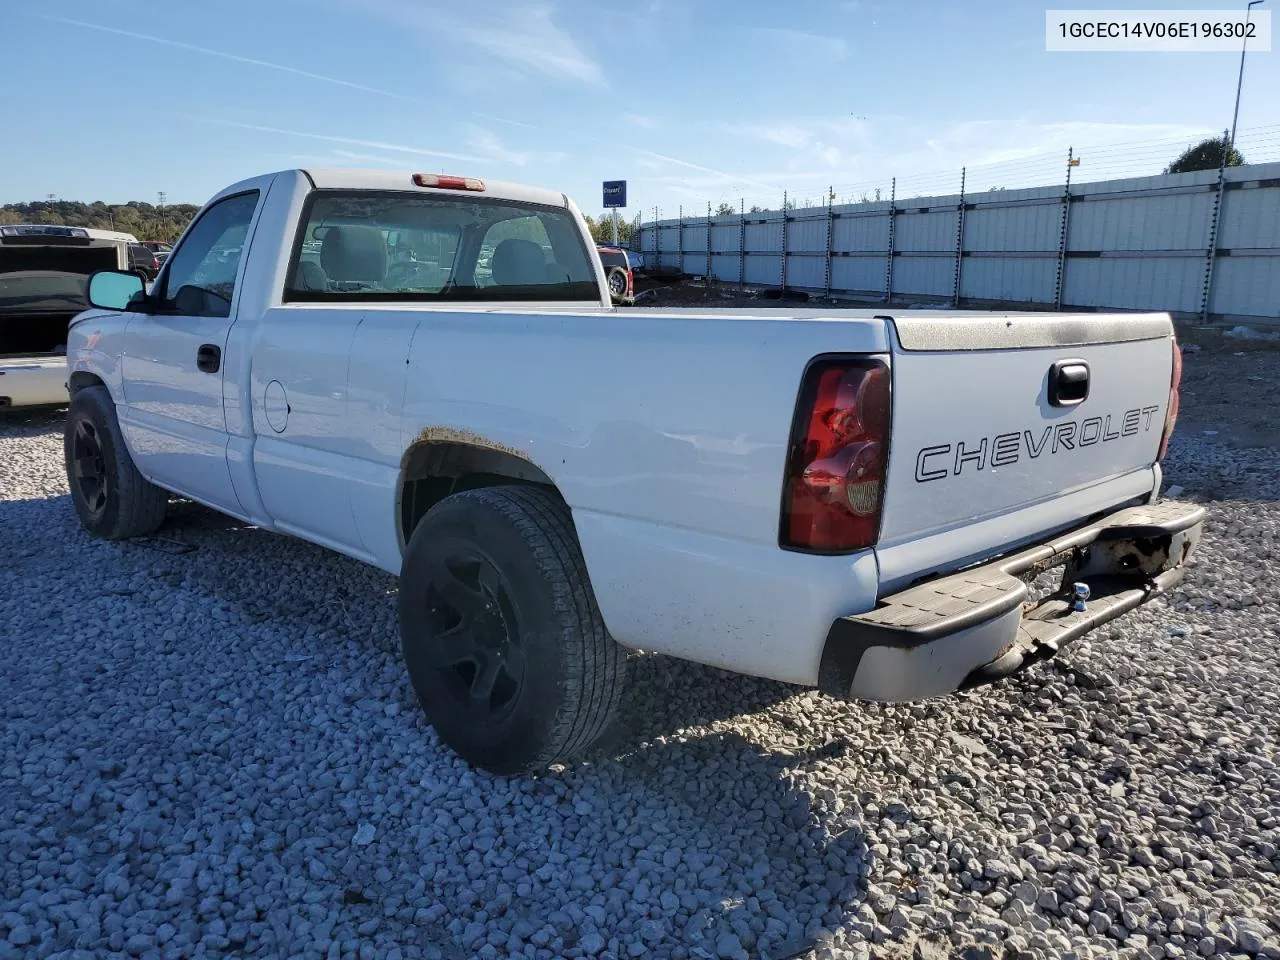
(114, 289)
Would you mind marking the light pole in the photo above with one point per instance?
(1231, 145)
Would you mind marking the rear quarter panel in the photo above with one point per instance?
(666, 435)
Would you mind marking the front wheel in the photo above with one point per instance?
(112, 499)
(505, 646)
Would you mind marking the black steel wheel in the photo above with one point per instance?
(112, 499)
(472, 636)
(89, 467)
(505, 646)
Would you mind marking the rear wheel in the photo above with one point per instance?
(112, 499)
(504, 644)
(617, 282)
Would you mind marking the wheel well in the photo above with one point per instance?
(80, 379)
(432, 470)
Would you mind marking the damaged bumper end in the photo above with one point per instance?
(987, 622)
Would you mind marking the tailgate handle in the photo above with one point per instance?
(1068, 383)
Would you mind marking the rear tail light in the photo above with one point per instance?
(834, 485)
(631, 282)
(443, 182)
(1175, 389)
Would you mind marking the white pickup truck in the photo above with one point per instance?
(836, 498)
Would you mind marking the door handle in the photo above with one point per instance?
(208, 358)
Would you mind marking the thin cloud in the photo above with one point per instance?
(640, 120)
(729, 177)
(236, 58)
(280, 67)
(536, 43)
(783, 134)
(524, 38)
(488, 143)
(802, 43)
(511, 123)
(380, 160)
(350, 141)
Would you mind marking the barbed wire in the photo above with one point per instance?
(1108, 161)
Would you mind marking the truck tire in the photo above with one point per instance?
(505, 647)
(113, 500)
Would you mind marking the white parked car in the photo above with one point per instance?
(44, 274)
(835, 498)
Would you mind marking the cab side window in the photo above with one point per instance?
(200, 278)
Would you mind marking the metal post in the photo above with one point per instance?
(657, 239)
(680, 236)
(826, 279)
(955, 288)
(1060, 280)
(888, 266)
(1248, 11)
(710, 275)
(615, 226)
(1215, 216)
(782, 279)
(742, 242)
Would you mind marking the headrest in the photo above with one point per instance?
(310, 277)
(354, 252)
(519, 262)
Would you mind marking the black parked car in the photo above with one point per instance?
(143, 261)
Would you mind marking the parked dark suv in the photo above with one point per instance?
(143, 261)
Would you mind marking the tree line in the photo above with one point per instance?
(146, 221)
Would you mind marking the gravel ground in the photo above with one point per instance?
(208, 748)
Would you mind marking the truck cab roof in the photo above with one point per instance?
(353, 178)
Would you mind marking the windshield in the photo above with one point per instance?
(383, 245)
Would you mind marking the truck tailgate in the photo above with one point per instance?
(987, 419)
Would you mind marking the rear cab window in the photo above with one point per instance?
(386, 245)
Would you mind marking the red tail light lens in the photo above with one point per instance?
(631, 283)
(836, 465)
(444, 182)
(1175, 388)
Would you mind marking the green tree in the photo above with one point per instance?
(1205, 155)
(725, 210)
(144, 221)
(602, 228)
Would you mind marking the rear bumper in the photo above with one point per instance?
(33, 382)
(982, 624)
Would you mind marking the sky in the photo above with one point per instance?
(689, 101)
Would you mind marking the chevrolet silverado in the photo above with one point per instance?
(863, 501)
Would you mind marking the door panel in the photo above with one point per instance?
(175, 423)
(173, 415)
